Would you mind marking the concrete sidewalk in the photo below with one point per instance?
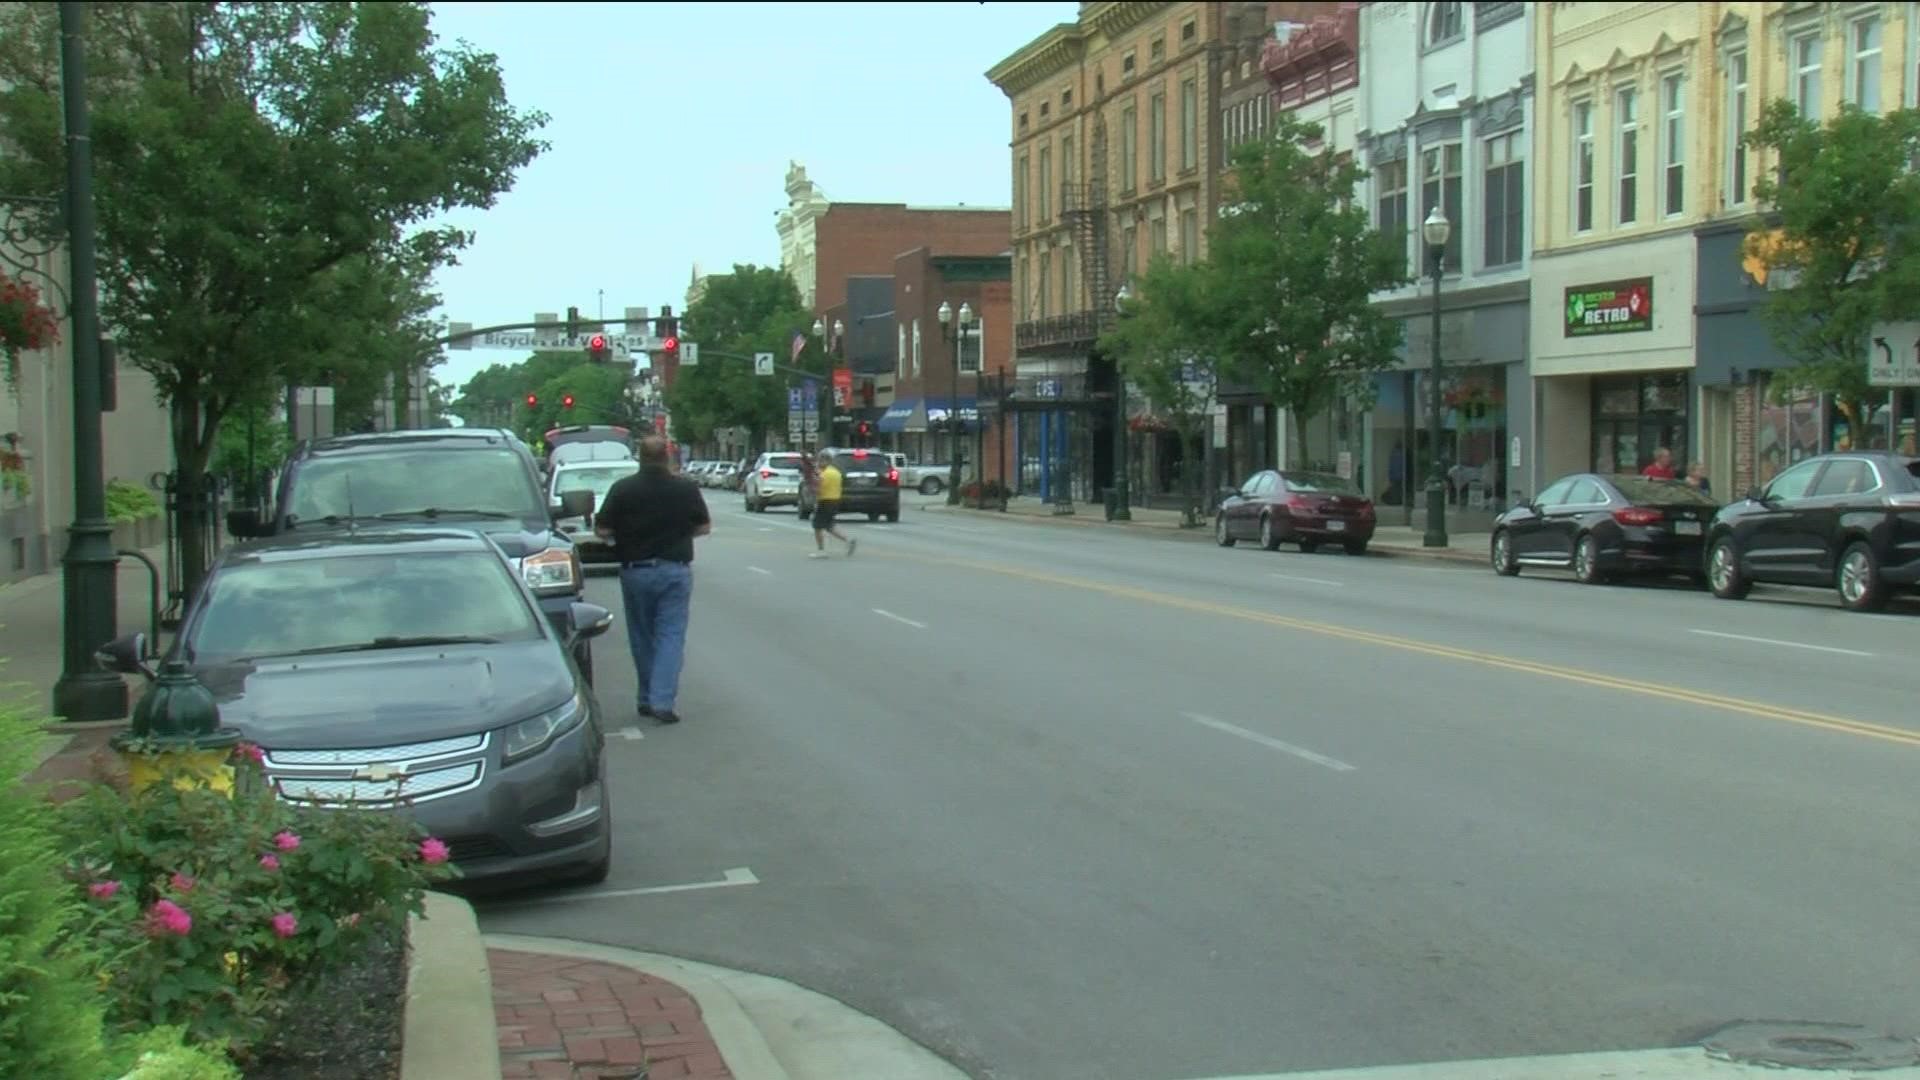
(1388, 540)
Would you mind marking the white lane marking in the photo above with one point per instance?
(761, 570)
(737, 876)
(1782, 644)
(1270, 742)
(631, 734)
(899, 618)
(1310, 580)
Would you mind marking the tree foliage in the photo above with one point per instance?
(264, 175)
(497, 395)
(751, 310)
(1295, 263)
(1840, 245)
(1157, 351)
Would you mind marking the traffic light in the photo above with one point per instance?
(566, 402)
(533, 400)
(667, 329)
(671, 346)
(866, 393)
(597, 350)
(864, 430)
(573, 322)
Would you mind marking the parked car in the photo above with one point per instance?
(1849, 521)
(1306, 508)
(1600, 525)
(410, 669)
(870, 485)
(596, 478)
(472, 476)
(926, 479)
(774, 480)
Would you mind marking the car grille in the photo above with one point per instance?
(466, 849)
(380, 776)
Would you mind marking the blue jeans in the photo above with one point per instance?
(658, 600)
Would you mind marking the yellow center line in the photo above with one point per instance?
(1759, 709)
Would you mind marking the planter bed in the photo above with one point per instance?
(346, 1025)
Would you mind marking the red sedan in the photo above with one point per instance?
(1306, 508)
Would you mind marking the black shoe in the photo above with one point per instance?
(667, 716)
(646, 710)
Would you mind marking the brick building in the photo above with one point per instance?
(939, 391)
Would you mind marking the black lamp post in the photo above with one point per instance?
(1122, 484)
(829, 419)
(956, 335)
(1435, 230)
(84, 691)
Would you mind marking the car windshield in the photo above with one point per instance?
(342, 602)
(1650, 491)
(1327, 483)
(490, 481)
(597, 479)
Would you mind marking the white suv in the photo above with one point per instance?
(774, 480)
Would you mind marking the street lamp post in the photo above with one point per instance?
(956, 335)
(1436, 229)
(85, 692)
(824, 394)
(1121, 509)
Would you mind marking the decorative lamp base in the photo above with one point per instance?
(185, 763)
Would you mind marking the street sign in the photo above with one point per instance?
(813, 425)
(1894, 356)
(763, 363)
(689, 354)
(459, 331)
(795, 403)
(842, 387)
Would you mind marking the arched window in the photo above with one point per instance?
(1447, 23)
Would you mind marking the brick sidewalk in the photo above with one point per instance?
(570, 1019)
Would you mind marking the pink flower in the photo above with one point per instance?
(433, 851)
(249, 752)
(269, 861)
(352, 920)
(181, 883)
(167, 917)
(103, 890)
(284, 924)
(286, 841)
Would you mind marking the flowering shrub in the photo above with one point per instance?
(25, 324)
(210, 907)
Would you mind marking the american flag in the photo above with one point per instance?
(799, 346)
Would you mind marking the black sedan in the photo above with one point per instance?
(1598, 526)
(1847, 521)
(411, 667)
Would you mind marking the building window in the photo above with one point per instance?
(1021, 189)
(1157, 51)
(900, 350)
(1189, 236)
(1046, 184)
(1069, 293)
(916, 329)
(1447, 24)
(1157, 229)
(1045, 279)
(1440, 168)
(1635, 415)
(1157, 138)
(1189, 124)
(1505, 183)
(1129, 149)
(1673, 144)
(1626, 160)
(1067, 170)
(1189, 30)
(1803, 55)
(1863, 65)
(1126, 67)
(1736, 129)
(1129, 251)
(1390, 203)
(1066, 98)
(1046, 109)
(1023, 121)
(1582, 166)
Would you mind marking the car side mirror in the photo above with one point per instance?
(1754, 494)
(575, 504)
(589, 620)
(246, 524)
(126, 655)
(1226, 493)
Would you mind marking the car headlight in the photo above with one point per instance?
(529, 737)
(552, 570)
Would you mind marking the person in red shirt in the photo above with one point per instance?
(1662, 467)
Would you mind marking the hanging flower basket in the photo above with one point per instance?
(1148, 425)
(14, 479)
(26, 324)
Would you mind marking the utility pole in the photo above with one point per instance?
(85, 691)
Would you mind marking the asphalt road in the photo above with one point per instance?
(1063, 803)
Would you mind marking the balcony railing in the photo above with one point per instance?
(1080, 327)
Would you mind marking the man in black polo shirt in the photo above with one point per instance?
(651, 519)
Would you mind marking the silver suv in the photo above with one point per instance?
(774, 480)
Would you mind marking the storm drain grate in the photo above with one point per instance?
(1810, 1045)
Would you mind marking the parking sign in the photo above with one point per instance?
(794, 401)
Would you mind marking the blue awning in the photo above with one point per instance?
(895, 419)
(938, 408)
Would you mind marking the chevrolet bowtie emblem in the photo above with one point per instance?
(379, 774)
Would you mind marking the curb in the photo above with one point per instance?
(448, 1032)
(742, 1046)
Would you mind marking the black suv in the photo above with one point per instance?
(869, 484)
(1850, 521)
(478, 478)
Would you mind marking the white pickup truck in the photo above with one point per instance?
(927, 479)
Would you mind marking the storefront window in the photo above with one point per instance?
(1636, 415)
(1888, 424)
(1788, 431)
(1472, 440)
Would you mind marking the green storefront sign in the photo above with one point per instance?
(1614, 307)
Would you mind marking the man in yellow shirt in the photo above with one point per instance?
(826, 504)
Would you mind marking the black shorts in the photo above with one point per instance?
(824, 513)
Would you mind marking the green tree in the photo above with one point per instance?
(1838, 246)
(598, 392)
(497, 395)
(253, 440)
(257, 166)
(1154, 342)
(753, 309)
(1297, 263)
